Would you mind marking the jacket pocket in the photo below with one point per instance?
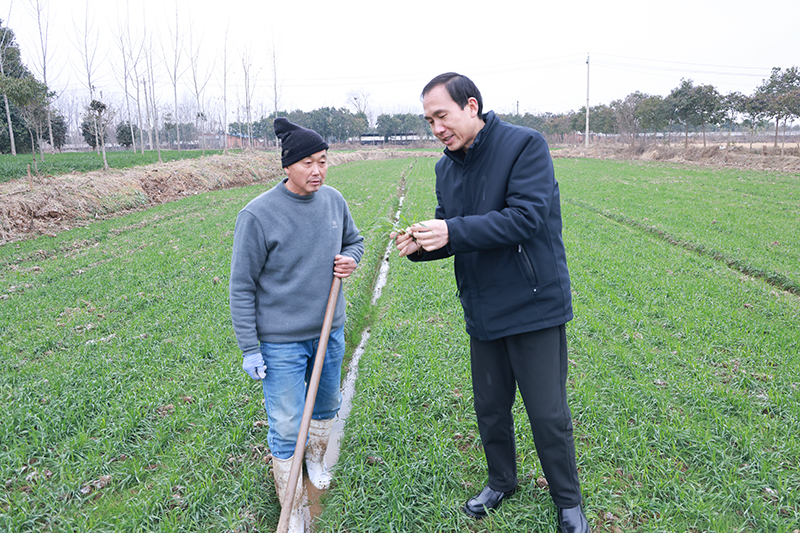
(527, 268)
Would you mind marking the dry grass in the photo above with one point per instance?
(718, 155)
(47, 205)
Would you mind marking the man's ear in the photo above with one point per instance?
(472, 102)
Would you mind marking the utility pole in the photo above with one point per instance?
(586, 137)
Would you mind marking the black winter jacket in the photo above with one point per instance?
(501, 203)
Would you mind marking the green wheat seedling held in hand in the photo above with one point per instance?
(396, 228)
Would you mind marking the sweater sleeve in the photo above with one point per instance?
(248, 258)
(352, 240)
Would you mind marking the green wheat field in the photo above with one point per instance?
(125, 407)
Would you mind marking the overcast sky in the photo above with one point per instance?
(523, 55)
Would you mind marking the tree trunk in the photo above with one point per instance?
(10, 126)
(177, 119)
(50, 132)
(147, 109)
(783, 139)
(33, 153)
(730, 129)
(40, 138)
(103, 148)
(141, 121)
(155, 109)
(130, 118)
(777, 124)
(96, 136)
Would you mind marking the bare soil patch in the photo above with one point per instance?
(715, 155)
(48, 205)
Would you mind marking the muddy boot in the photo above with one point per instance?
(281, 468)
(319, 432)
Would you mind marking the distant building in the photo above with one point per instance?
(371, 139)
(236, 140)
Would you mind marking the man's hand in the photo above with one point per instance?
(254, 365)
(430, 235)
(343, 266)
(404, 242)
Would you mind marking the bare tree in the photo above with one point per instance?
(71, 107)
(199, 82)
(88, 48)
(141, 94)
(359, 99)
(249, 85)
(173, 70)
(131, 56)
(42, 13)
(275, 85)
(153, 101)
(100, 115)
(225, 92)
(5, 43)
(628, 114)
(147, 106)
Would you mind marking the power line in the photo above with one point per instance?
(680, 62)
(633, 64)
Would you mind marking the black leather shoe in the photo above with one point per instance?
(479, 506)
(572, 520)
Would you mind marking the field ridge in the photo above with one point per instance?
(47, 205)
(775, 279)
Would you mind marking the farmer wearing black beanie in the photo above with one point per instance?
(297, 142)
(288, 245)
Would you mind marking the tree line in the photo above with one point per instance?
(696, 108)
(32, 120)
(27, 103)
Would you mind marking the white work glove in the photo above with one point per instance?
(254, 365)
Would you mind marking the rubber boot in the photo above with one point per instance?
(281, 468)
(319, 433)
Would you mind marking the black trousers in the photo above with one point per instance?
(537, 363)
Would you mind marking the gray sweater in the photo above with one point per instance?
(284, 246)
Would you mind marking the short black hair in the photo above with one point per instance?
(460, 87)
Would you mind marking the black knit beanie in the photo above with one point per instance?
(297, 142)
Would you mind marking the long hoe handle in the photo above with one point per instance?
(311, 397)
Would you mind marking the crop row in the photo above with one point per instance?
(746, 219)
(126, 409)
(683, 384)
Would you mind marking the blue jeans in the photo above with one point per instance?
(289, 366)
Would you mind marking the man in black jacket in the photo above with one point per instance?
(499, 214)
